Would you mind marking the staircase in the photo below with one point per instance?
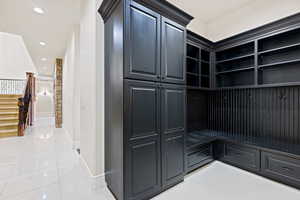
(9, 113)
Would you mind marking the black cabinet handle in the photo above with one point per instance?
(158, 77)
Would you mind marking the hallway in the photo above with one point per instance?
(42, 165)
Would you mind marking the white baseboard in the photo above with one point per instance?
(98, 181)
(76, 144)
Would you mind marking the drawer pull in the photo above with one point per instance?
(287, 169)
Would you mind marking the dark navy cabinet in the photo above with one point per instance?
(173, 133)
(145, 96)
(173, 53)
(143, 34)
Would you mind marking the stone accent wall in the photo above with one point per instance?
(58, 92)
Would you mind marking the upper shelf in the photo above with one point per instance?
(235, 58)
(279, 48)
(236, 52)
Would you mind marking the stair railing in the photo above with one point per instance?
(12, 86)
(26, 105)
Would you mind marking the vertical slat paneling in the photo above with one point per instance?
(269, 113)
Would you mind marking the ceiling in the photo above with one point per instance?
(53, 27)
(220, 19)
(206, 11)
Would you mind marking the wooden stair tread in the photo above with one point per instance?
(10, 95)
(9, 124)
(8, 133)
(10, 130)
(9, 118)
(7, 103)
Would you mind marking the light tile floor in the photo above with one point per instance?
(43, 166)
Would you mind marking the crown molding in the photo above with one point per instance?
(267, 29)
(163, 7)
(168, 10)
(194, 37)
(107, 7)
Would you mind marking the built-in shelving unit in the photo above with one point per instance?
(197, 67)
(271, 60)
(279, 58)
(235, 66)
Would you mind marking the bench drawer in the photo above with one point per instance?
(282, 168)
(241, 156)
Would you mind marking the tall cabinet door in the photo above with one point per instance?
(142, 139)
(142, 44)
(173, 134)
(173, 52)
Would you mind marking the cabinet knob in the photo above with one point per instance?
(158, 77)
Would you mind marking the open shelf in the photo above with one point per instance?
(196, 59)
(193, 80)
(197, 67)
(281, 56)
(192, 74)
(279, 48)
(235, 64)
(235, 52)
(236, 58)
(235, 70)
(238, 78)
(287, 72)
(192, 66)
(279, 59)
(279, 41)
(205, 56)
(279, 63)
(192, 51)
(205, 68)
(204, 81)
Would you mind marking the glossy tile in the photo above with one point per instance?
(30, 182)
(219, 181)
(43, 166)
(45, 193)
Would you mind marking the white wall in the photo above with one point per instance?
(251, 15)
(15, 60)
(45, 100)
(71, 88)
(91, 87)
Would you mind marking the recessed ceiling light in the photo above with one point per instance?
(38, 10)
(44, 59)
(43, 43)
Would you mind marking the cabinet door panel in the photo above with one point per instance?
(174, 158)
(143, 169)
(173, 134)
(142, 109)
(173, 52)
(142, 44)
(173, 108)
